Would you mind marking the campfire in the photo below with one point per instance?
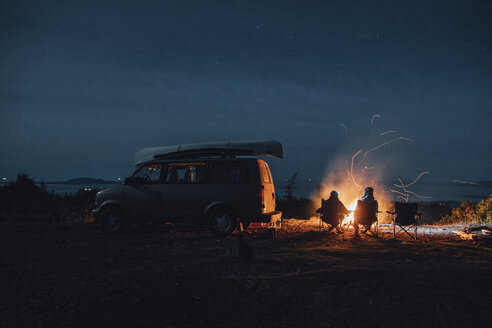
(350, 186)
(350, 175)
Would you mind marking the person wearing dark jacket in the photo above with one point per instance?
(332, 210)
(366, 211)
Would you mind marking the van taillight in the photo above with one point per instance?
(261, 195)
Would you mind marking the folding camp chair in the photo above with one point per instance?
(330, 215)
(406, 218)
(366, 215)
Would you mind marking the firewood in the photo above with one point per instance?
(477, 238)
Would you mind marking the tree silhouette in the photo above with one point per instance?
(290, 188)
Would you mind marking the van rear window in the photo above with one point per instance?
(230, 172)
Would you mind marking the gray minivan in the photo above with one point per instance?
(212, 184)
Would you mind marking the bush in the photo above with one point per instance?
(434, 211)
(299, 208)
(23, 200)
(468, 212)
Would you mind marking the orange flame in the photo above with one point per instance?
(349, 219)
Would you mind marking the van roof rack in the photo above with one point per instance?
(226, 149)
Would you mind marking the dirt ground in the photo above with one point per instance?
(180, 276)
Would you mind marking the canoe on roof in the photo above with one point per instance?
(221, 148)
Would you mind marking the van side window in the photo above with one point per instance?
(149, 174)
(230, 172)
(188, 173)
(265, 173)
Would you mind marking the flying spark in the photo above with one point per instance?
(398, 192)
(465, 182)
(404, 198)
(351, 172)
(382, 145)
(421, 174)
(402, 184)
(374, 116)
(386, 132)
(366, 170)
(408, 192)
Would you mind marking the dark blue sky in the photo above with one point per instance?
(84, 85)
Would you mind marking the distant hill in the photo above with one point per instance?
(84, 181)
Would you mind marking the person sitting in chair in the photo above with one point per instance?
(332, 211)
(366, 211)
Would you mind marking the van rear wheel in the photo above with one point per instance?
(222, 221)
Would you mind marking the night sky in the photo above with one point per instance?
(84, 85)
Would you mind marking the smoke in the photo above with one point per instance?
(352, 171)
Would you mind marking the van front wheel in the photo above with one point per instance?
(223, 221)
(112, 220)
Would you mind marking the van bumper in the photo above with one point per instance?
(268, 220)
(271, 217)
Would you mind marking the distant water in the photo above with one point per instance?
(305, 189)
(70, 189)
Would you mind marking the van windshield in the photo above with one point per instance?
(149, 174)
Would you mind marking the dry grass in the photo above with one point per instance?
(178, 276)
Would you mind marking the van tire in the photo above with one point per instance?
(112, 220)
(222, 221)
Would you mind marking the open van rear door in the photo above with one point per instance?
(268, 187)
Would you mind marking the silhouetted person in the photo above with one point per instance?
(332, 210)
(366, 211)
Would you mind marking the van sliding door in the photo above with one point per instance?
(186, 190)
